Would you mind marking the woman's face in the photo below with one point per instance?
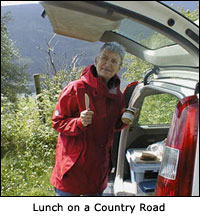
(108, 63)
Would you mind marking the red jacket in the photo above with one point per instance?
(83, 153)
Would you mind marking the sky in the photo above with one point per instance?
(191, 4)
(7, 3)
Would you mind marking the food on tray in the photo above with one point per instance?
(148, 156)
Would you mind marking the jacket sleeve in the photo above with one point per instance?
(120, 125)
(66, 116)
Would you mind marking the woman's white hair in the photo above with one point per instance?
(115, 47)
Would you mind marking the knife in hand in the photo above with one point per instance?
(87, 101)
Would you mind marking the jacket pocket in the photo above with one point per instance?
(67, 163)
(67, 154)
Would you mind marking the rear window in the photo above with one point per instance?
(143, 35)
(157, 109)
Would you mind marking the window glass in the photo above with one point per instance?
(158, 109)
(143, 35)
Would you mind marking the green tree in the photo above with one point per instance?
(193, 16)
(13, 74)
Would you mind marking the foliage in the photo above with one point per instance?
(27, 147)
(27, 138)
(135, 68)
(51, 89)
(157, 109)
(13, 75)
(193, 16)
(28, 142)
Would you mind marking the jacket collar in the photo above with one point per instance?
(89, 76)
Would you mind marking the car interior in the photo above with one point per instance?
(143, 133)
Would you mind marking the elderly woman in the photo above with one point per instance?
(86, 129)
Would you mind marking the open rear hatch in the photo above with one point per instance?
(133, 25)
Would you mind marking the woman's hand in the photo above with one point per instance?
(86, 117)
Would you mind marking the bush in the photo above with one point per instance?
(28, 140)
(27, 147)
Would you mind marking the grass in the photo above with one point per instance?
(25, 177)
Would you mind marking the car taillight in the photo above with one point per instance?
(176, 173)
